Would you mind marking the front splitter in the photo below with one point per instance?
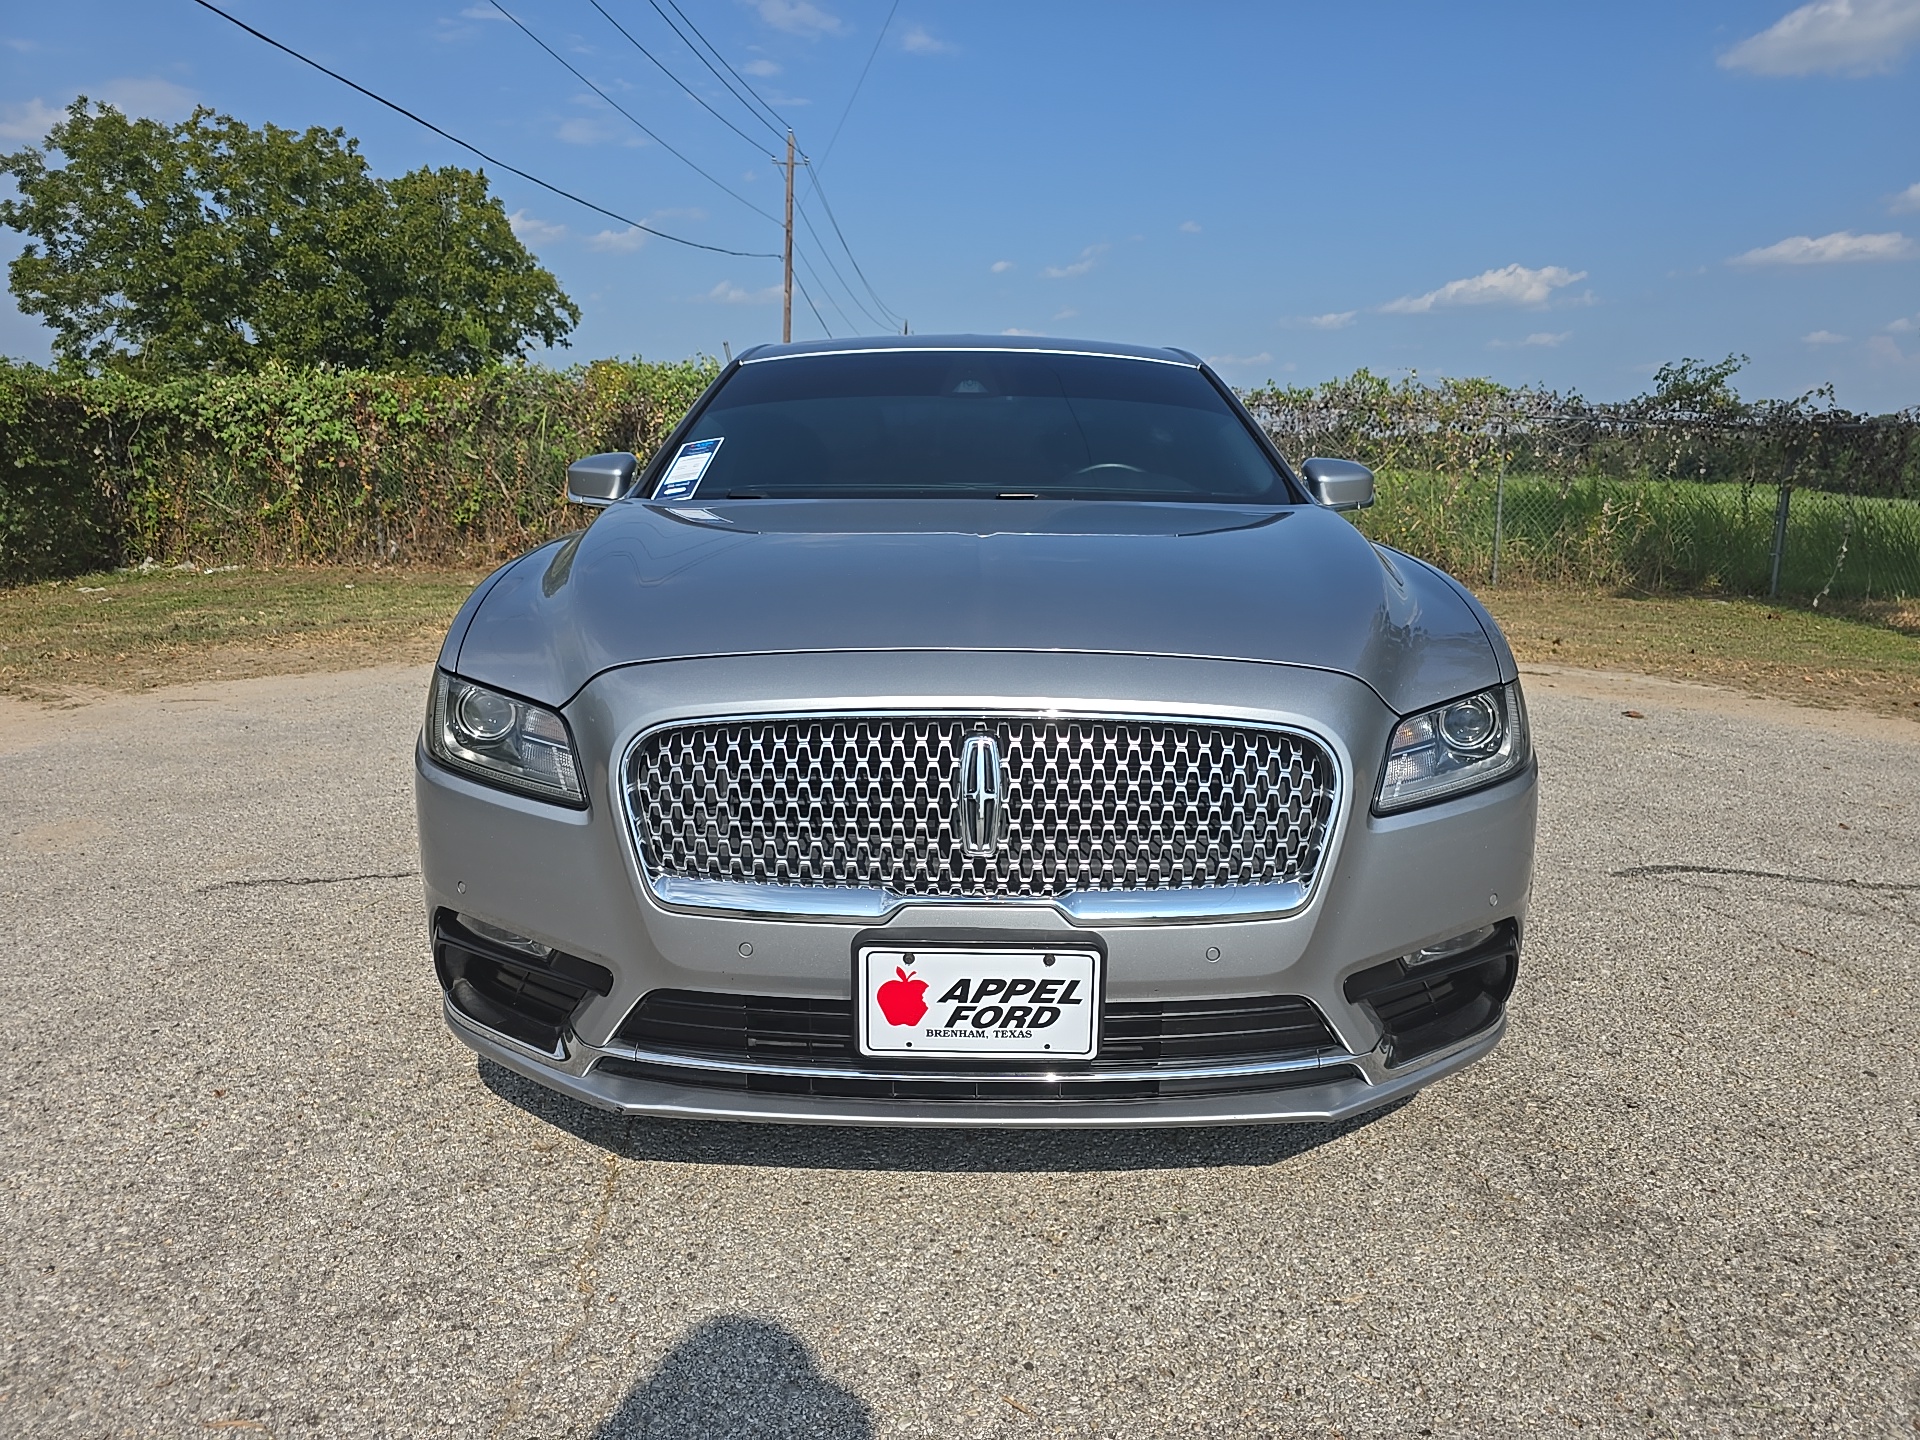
(1297, 1104)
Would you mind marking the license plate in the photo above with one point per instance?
(979, 1002)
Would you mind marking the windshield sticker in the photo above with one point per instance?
(683, 476)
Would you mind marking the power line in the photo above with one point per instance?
(827, 255)
(813, 175)
(813, 178)
(661, 66)
(800, 257)
(572, 70)
(747, 84)
(872, 55)
(813, 307)
(778, 131)
(476, 150)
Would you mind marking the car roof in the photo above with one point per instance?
(1039, 344)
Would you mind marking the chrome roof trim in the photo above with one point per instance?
(972, 350)
(989, 344)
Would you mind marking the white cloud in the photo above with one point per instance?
(618, 242)
(728, 293)
(1886, 351)
(29, 121)
(1839, 248)
(1189, 227)
(1016, 330)
(584, 130)
(1509, 285)
(1000, 267)
(1539, 340)
(1079, 267)
(798, 17)
(1263, 358)
(534, 230)
(1905, 326)
(917, 41)
(761, 69)
(1823, 337)
(481, 12)
(1065, 313)
(1332, 320)
(1844, 37)
(154, 98)
(1907, 200)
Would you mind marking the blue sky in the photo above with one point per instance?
(1559, 194)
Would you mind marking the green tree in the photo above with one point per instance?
(210, 245)
(1698, 388)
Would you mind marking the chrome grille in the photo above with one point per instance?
(871, 802)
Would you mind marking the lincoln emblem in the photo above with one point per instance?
(983, 796)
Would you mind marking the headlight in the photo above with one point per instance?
(1462, 745)
(508, 742)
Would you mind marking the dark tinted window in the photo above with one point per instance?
(980, 423)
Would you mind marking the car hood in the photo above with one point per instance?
(1293, 586)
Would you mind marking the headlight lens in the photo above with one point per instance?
(1455, 747)
(509, 742)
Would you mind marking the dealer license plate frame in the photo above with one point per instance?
(941, 963)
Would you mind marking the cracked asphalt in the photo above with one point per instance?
(248, 1185)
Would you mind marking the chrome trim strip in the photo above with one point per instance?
(1320, 1061)
(820, 902)
(1206, 902)
(1083, 907)
(965, 350)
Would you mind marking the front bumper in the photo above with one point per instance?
(1334, 1100)
(570, 880)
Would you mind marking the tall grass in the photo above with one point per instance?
(1652, 534)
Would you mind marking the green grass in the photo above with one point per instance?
(1654, 536)
(131, 631)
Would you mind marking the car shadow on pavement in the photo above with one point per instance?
(738, 1376)
(835, 1147)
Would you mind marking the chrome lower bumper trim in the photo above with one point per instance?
(1333, 1100)
(1083, 907)
(1238, 1070)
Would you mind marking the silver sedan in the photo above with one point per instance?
(962, 731)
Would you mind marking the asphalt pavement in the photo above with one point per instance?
(249, 1185)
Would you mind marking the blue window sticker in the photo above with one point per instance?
(683, 475)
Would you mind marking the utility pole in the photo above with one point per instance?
(786, 294)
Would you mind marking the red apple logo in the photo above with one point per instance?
(903, 1001)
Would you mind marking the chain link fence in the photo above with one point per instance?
(1792, 500)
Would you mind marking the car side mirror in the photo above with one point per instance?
(1339, 484)
(599, 480)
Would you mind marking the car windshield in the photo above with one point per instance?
(971, 424)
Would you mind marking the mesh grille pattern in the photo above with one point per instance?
(871, 802)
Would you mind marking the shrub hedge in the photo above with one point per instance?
(309, 466)
(304, 466)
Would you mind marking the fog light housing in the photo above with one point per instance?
(1447, 949)
(501, 936)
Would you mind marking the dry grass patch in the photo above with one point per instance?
(1801, 656)
(134, 631)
